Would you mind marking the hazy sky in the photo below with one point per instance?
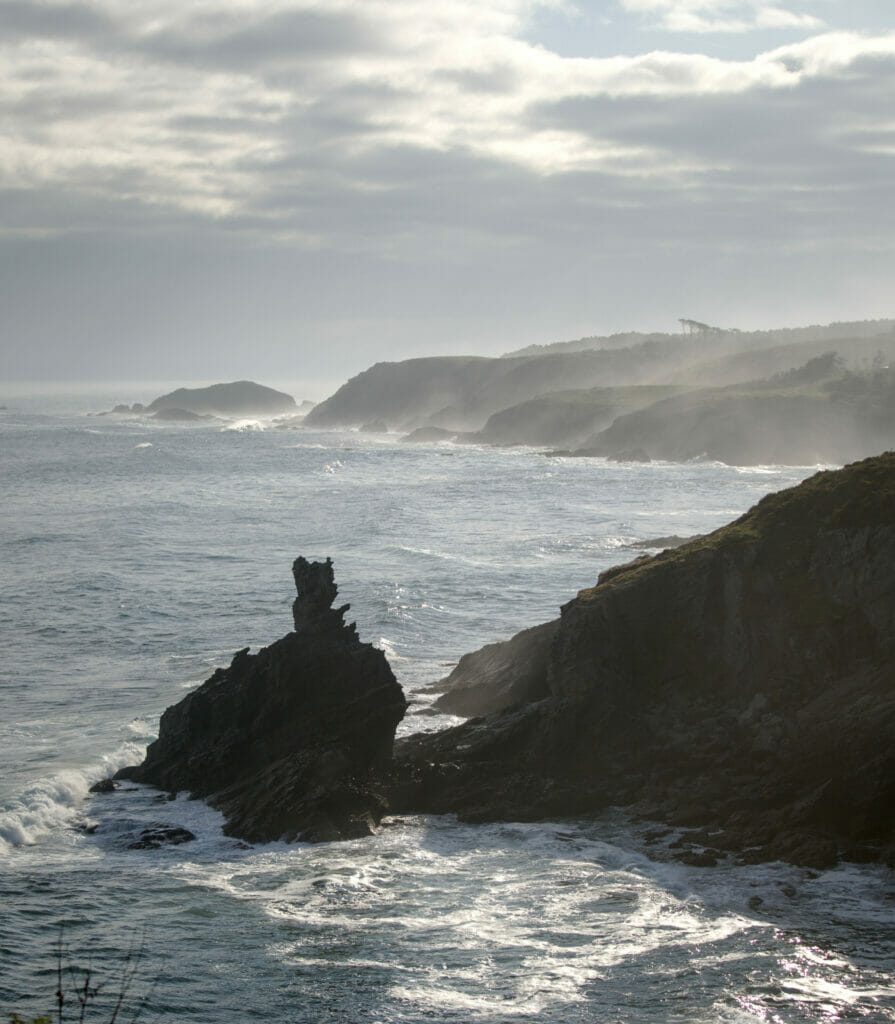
(282, 190)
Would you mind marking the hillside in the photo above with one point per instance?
(729, 339)
(814, 415)
(567, 418)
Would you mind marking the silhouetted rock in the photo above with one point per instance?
(285, 742)
(744, 681)
(104, 786)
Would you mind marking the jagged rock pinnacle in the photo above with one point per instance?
(312, 610)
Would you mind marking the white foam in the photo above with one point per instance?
(51, 802)
(245, 425)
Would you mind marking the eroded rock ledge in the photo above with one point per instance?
(286, 742)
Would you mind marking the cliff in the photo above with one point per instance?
(285, 742)
(743, 681)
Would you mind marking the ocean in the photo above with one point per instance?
(137, 556)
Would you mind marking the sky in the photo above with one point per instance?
(296, 189)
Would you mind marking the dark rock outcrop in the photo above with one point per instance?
(744, 681)
(158, 835)
(285, 742)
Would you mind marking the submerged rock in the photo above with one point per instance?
(744, 680)
(285, 742)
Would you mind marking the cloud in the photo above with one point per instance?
(380, 126)
(704, 16)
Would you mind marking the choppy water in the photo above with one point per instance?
(136, 557)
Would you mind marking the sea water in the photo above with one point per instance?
(138, 556)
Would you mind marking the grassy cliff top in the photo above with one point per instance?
(784, 523)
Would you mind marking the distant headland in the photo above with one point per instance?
(805, 396)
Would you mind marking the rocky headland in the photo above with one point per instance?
(287, 743)
(796, 397)
(740, 685)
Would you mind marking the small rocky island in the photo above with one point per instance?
(741, 685)
(236, 398)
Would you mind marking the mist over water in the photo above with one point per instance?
(140, 556)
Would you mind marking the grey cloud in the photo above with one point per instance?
(226, 43)
(500, 79)
(55, 21)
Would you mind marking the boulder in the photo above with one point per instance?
(285, 742)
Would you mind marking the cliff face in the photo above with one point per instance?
(745, 679)
(285, 742)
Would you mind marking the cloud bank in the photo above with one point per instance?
(385, 130)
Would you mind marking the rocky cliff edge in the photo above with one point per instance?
(743, 683)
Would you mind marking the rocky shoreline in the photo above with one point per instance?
(740, 687)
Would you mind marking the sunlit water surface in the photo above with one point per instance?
(137, 557)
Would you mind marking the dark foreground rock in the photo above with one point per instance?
(743, 683)
(285, 742)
